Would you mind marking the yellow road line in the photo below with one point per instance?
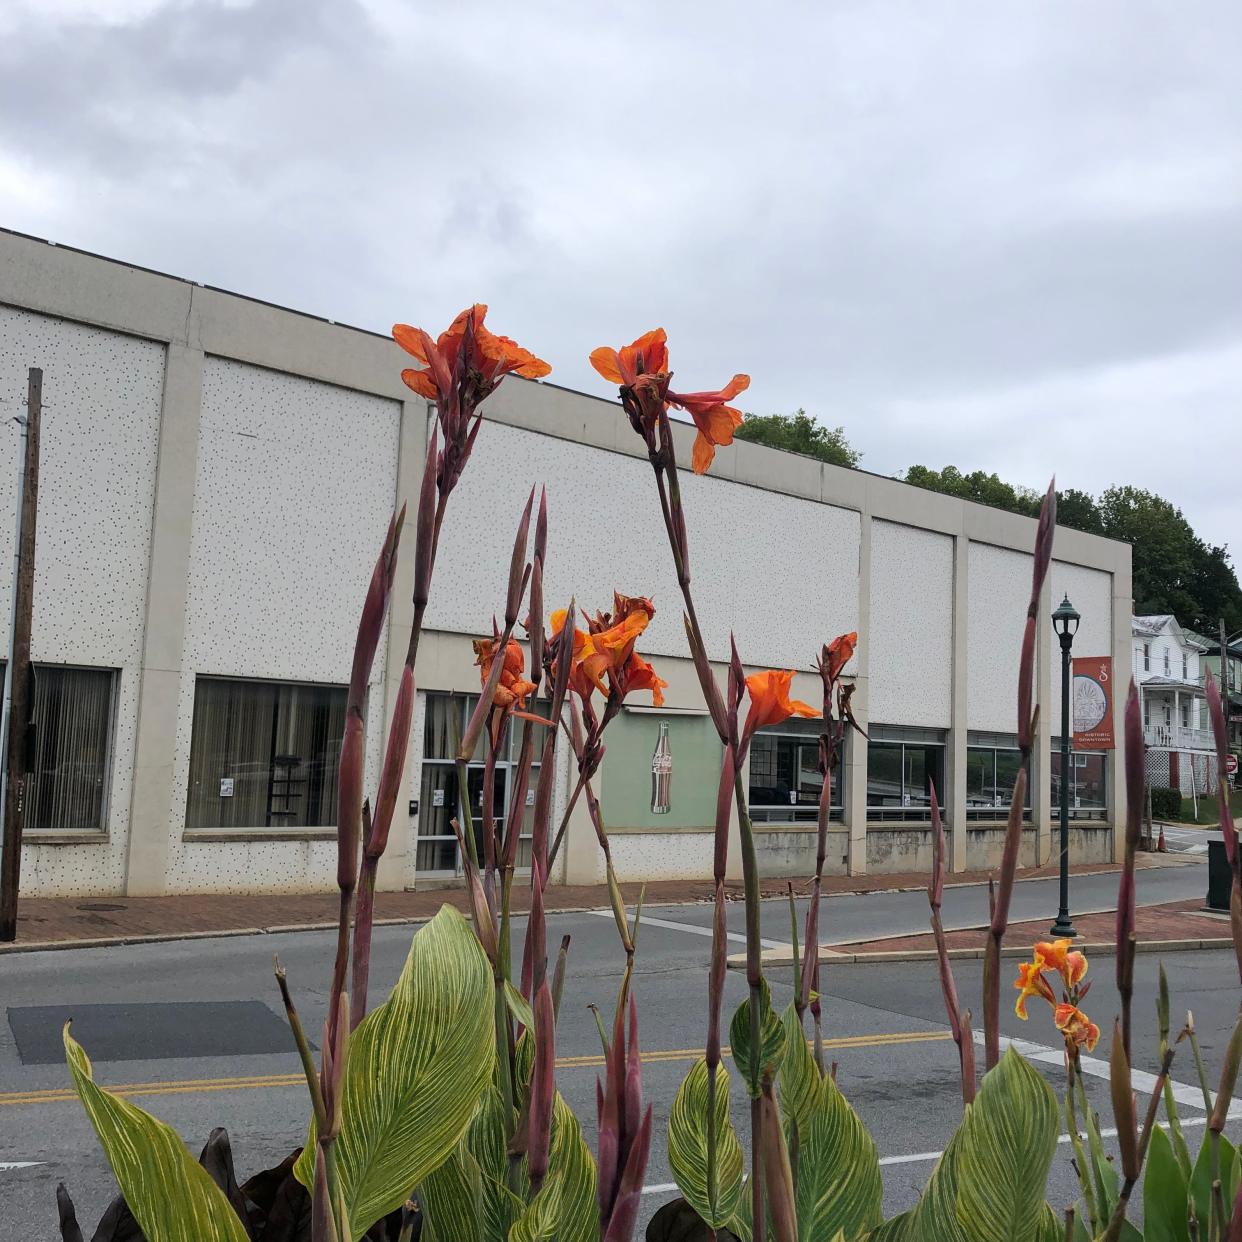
(192, 1086)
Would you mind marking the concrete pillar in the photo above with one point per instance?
(151, 814)
(584, 861)
(411, 453)
(1123, 607)
(953, 795)
(1048, 699)
(855, 785)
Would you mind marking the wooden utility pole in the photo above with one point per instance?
(15, 727)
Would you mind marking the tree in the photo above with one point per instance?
(1079, 510)
(986, 489)
(800, 433)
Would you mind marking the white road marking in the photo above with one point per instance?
(927, 1157)
(1143, 1083)
(5, 1165)
(692, 929)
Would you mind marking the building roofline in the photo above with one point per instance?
(386, 339)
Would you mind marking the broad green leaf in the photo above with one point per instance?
(416, 1069)
(485, 1140)
(1050, 1229)
(541, 1219)
(170, 1194)
(1009, 1138)
(935, 1217)
(687, 1146)
(895, 1230)
(1201, 1178)
(839, 1185)
(1164, 1193)
(571, 1162)
(519, 1006)
(799, 1075)
(771, 1041)
(452, 1199)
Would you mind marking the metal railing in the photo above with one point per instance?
(1176, 737)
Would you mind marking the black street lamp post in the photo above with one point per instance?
(1065, 622)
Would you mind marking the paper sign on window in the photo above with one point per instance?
(226, 787)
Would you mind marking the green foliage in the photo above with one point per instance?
(687, 1147)
(417, 1068)
(147, 1158)
(771, 1041)
(1164, 1193)
(1166, 803)
(800, 433)
(1174, 570)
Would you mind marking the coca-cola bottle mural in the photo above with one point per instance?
(661, 773)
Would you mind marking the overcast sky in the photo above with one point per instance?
(999, 234)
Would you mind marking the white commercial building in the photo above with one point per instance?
(217, 475)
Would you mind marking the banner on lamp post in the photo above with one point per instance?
(1093, 703)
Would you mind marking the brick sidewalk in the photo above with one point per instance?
(65, 921)
(1173, 921)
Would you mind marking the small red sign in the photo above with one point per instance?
(1231, 764)
(1093, 703)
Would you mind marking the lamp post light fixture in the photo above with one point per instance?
(1065, 621)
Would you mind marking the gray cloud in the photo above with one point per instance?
(1000, 235)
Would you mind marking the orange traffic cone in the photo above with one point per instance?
(1161, 848)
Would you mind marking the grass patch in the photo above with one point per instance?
(1209, 811)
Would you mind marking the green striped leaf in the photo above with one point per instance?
(452, 1199)
(839, 1186)
(1005, 1149)
(687, 1147)
(416, 1070)
(895, 1230)
(771, 1041)
(799, 1075)
(570, 1160)
(540, 1220)
(170, 1194)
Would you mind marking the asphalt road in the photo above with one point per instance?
(896, 1063)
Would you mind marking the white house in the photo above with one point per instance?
(1167, 669)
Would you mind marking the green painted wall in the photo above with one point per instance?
(626, 793)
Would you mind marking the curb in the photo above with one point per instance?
(832, 957)
(106, 942)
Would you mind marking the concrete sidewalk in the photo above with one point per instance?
(68, 922)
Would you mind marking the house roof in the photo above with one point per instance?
(1157, 623)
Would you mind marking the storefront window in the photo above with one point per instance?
(785, 781)
(72, 716)
(992, 766)
(445, 721)
(264, 754)
(1088, 783)
(901, 766)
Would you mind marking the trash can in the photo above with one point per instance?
(1220, 877)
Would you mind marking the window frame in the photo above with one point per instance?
(507, 765)
(273, 831)
(996, 811)
(771, 816)
(104, 828)
(1147, 657)
(907, 739)
(1079, 760)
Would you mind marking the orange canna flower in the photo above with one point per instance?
(837, 654)
(639, 675)
(488, 360)
(647, 356)
(604, 658)
(643, 368)
(1078, 1029)
(1031, 982)
(715, 420)
(769, 700)
(1072, 966)
(512, 689)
